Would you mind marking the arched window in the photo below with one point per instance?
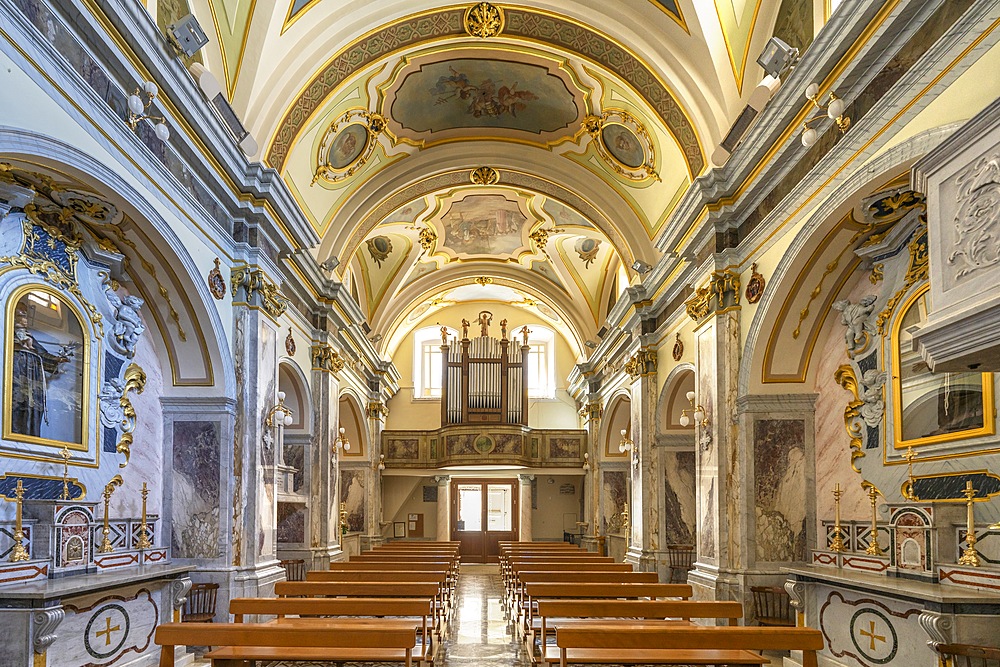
(541, 361)
(427, 361)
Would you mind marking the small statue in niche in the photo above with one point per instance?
(485, 320)
(128, 323)
(870, 392)
(855, 316)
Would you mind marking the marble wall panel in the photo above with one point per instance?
(291, 523)
(708, 453)
(352, 492)
(679, 497)
(195, 489)
(780, 489)
(614, 489)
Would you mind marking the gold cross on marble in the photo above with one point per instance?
(108, 630)
(870, 633)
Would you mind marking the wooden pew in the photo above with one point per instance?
(256, 641)
(577, 577)
(345, 610)
(510, 582)
(627, 590)
(438, 577)
(554, 614)
(364, 589)
(597, 643)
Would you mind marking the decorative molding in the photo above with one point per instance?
(216, 283)
(797, 593)
(678, 350)
(977, 223)
(325, 358)
(485, 176)
(592, 412)
(179, 589)
(723, 287)
(939, 627)
(845, 377)
(915, 272)
(374, 124)
(290, 343)
(135, 380)
(376, 410)
(641, 363)
(595, 126)
(755, 286)
(43, 627)
(248, 281)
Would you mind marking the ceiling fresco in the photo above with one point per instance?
(487, 225)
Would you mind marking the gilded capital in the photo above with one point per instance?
(325, 358)
(249, 282)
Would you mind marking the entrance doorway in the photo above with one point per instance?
(484, 513)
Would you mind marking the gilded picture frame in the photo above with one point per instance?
(49, 379)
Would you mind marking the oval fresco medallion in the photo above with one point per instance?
(347, 146)
(623, 145)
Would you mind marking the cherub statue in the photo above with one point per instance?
(465, 328)
(444, 335)
(128, 324)
(503, 328)
(854, 316)
(485, 319)
(870, 392)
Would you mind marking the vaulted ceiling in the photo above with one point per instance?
(530, 151)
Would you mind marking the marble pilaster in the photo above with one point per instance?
(524, 505)
(324, 517)
(644, 539)
(443, 507)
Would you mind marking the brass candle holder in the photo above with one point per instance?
(343, 518)
(970, 556)
(105, 547)
(626, 530)
(838, 531)
(65, 457)
(873, 493)
(908, 491)
(143, 542)
(18, 553)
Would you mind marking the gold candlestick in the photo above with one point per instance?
(343, 518)
(18, 553)
(627, 530)
(65, 458)
(873, 493)
(970, 556)
(908, 491)
(143, 542)
(838, 532)
(105, 547)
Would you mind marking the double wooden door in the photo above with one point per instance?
(483, 513)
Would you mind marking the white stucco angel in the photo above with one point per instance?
(870, 392)
(855, 316)
(128, 323)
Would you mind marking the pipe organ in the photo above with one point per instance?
(484, 379)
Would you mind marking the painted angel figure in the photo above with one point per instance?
(855, 316)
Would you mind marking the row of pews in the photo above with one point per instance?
(571, 606)
(390, 604)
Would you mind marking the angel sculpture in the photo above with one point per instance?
(128, 323)
(854, 316)
(870, 392)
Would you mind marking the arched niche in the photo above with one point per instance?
(673, 401)
(352, 420)
(293, 382)
(618, 418)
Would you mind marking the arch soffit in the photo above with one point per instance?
(558, 32)
(51, 154)
(300, 384)
(355, 406)
(619, 406)
(795, 274)
(674, 378)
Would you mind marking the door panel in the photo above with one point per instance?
(484, 513)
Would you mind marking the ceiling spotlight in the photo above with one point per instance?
(777, 57)
(187, 36)
(640, 266)
(591, 344)
(330, 264)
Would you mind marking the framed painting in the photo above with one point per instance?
(46, 382)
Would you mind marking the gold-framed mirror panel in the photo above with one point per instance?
(931, 408)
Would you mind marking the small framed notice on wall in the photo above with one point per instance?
(399, 529)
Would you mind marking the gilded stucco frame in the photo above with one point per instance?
(85, 425)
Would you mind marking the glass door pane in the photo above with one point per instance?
(499, 510)
(470, 507)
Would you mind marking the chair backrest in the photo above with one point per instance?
(771, 605)
(681, 555)
(295, 570)
(201, 600)
(967, 655)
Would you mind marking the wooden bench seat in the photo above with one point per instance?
(239, 642)
(597, 643)
(545, 590)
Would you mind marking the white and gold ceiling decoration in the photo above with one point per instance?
(594, 117)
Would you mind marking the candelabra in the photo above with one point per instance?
(970, 556)
(143, 542)
(834, 109)
(138, 110)
(873, 493)
(18, 552)
(908, 491)
(65, 458)
(105, 547)
(838, 532)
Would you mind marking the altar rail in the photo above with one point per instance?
(471, 444)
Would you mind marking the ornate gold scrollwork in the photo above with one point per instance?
(484, 20)
(427, 237)
(376, 410)
(641, 363)
(485, 176)
(915, 272)
(724, 286)
(845, 377)
(540, 237)
(325, 358)
(632, 131)
(374, 124)
(135, 380)
(592, 412)
(253, 282)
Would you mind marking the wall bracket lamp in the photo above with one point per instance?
(280, 414)
(834, 109)
(138, 110)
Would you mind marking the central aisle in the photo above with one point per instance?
(480, 634)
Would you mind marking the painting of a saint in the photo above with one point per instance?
(46, 379)
(347, 146)
(623, 145)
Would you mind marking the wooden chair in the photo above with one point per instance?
(681, 561)
(295, 570)
(200, 605)
(967, 655)
(772, 606)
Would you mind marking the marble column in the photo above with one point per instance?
(524, 503)
(444, 507)
(644, 542)
(253, 545)
(722, 514)
(324, 509)
(373, 536)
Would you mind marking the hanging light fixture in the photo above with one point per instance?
(381, 461)
(586, 461)
(626, 444)
(834, 109)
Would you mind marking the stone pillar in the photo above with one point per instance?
(592, 412)
(256, 303)
(722, 514)
(444, 507)
(643, 543)
(524, 505)
(376, 413)
(324, 510)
